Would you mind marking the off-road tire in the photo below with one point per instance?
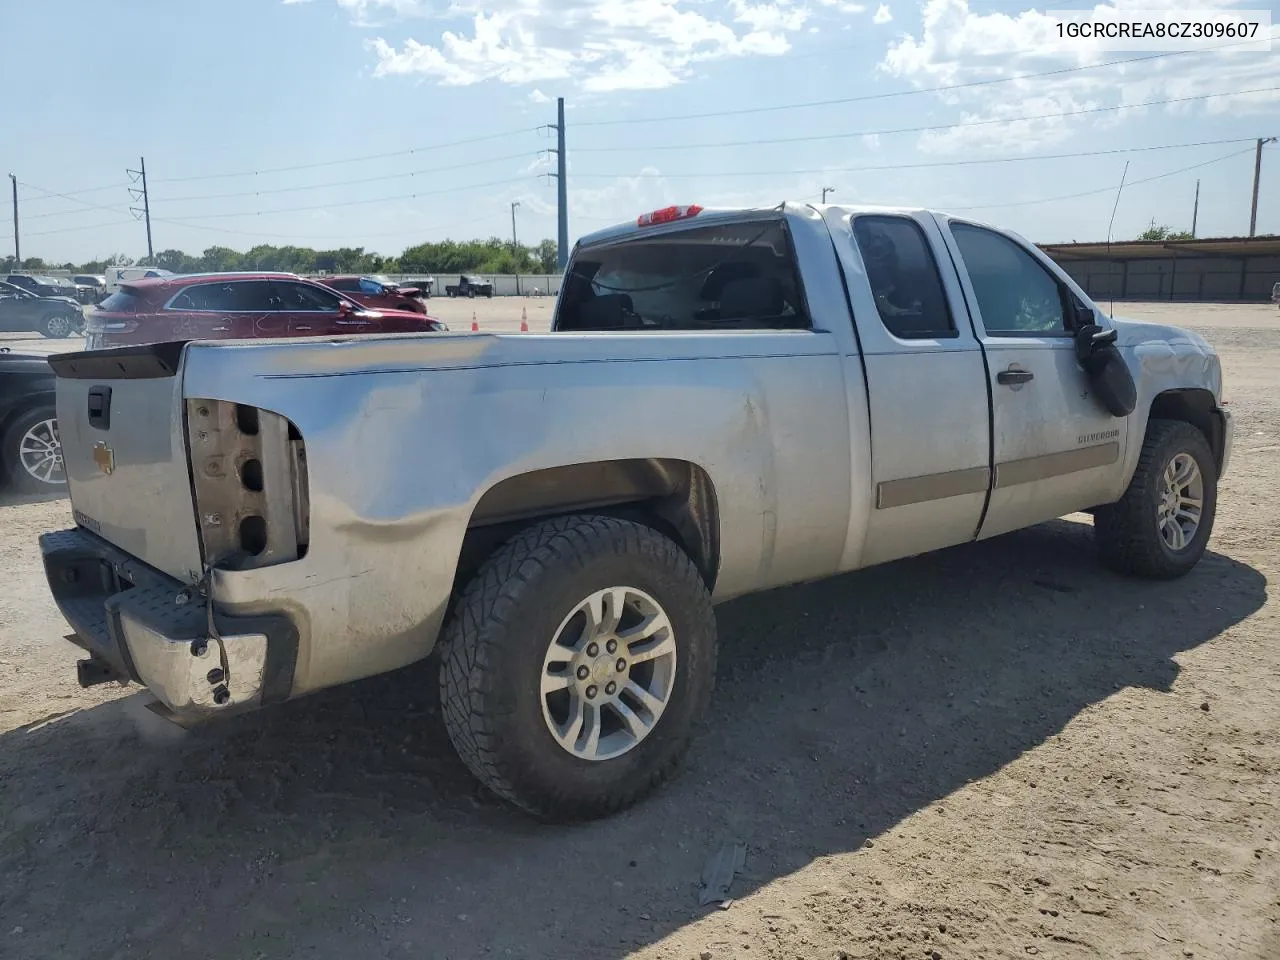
(1126, 531)
(492, 654)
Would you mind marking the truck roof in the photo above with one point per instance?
(693, 215)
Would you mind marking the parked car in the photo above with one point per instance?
(54, 317)
(90, 288)
(426, 285)
(469, 286)
(796, 393)
(30, 452)
(376, 292)
(233, 306)
(43, 286)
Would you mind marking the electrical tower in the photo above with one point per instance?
(137, 176)
(17, 248)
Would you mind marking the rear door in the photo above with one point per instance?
(930, 440)
(1056, 448)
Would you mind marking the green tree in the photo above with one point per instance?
(1163, 232)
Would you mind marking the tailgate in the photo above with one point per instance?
(120, 419)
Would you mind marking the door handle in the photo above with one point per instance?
(1009, 377)
(100, 407)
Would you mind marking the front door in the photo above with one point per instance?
(930, 441)
(1056, 447)
(313, 311)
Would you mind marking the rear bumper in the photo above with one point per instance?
(154, 630)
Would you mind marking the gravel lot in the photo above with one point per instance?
(998, 751)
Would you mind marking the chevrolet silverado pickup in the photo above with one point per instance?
(728, 401)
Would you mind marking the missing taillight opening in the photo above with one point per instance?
(251, 490)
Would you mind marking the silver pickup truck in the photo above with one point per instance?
(729, 401)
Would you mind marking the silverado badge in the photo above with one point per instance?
(104, 457)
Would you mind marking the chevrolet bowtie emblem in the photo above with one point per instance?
(104, 457)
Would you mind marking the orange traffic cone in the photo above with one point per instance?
(524, 320)
(475, 327)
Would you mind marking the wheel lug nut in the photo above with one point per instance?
(582, 673)
(612, 646)
(593, 649)
(621, 664)
(610, 687)
(591, 692)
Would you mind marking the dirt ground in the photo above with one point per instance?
(999, 751)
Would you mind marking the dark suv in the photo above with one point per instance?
(55, 317)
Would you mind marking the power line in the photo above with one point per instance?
(347, 183)
(332, 163)
(73, 193)
(1090, 193)
(356, 203)
(917, 166)
(943, 88)
(922, 129)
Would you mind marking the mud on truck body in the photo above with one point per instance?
(729, 401)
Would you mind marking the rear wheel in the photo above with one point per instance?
(31, 453)
(577, 665)
(1161, 526)
(57, 326)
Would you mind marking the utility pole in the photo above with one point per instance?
(1257, 174)
(17, 247)
(825, 191)
(562, 188)
(1195, 211)
(135, 175)
(515, 244)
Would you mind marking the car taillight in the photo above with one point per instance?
(668, 215)
(100, 324)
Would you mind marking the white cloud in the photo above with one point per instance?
(844, 6)
(883, 14)
(957, 45)
(871, 141)
(537, 96)
(598, 44)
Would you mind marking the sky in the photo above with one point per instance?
(384, 123)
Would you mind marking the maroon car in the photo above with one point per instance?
(236, 306)
(376, 292)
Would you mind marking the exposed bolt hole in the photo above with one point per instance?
(247, 419)
(251, 475)
(253, 535)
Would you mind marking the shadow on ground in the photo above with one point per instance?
(342, 826)
(11, 498)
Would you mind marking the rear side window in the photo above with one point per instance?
(369, 286)
(904, 278)
(245, 296)
(346, 283)
(727, 277)
(123, 300)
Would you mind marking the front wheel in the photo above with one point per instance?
(1160, 527)
(577, 665)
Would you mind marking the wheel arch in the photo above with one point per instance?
(1196, 406)
(676, 497)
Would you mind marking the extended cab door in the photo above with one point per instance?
(927, 386)
(1056, 448)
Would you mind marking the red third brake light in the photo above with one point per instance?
(668, 215)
